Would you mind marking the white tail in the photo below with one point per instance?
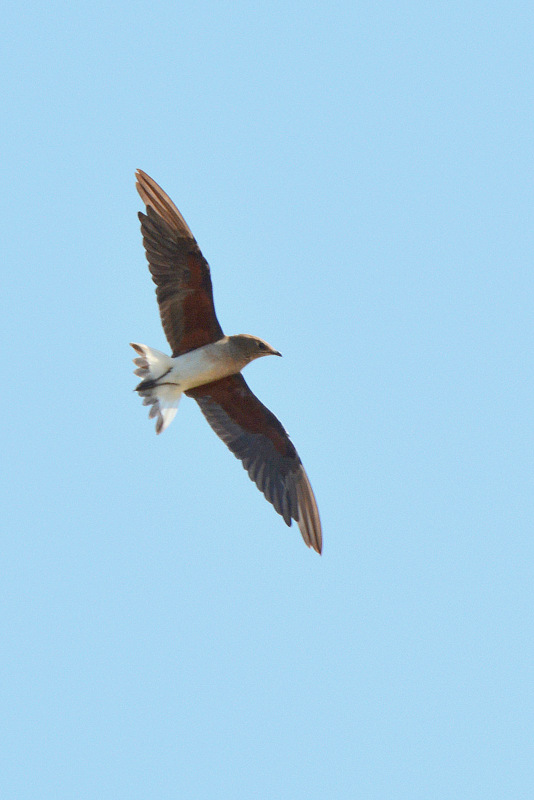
(152, 367)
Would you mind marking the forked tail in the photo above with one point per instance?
(163, 396)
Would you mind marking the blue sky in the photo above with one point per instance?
(359, 176)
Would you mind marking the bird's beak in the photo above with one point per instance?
(276, 353)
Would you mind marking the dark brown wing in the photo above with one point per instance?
(179, 270)
(257, 438)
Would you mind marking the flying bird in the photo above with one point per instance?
(206, 364)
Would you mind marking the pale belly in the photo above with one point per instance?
(206, 364)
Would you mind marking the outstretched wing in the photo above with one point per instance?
(258, 439)
(179, 270)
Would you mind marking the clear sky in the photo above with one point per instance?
(359, 176)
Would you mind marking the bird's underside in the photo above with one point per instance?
(206, 365)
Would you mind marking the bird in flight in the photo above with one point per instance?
(206, 365)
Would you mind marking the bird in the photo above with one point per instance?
(206, 365)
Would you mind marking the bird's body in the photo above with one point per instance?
(206, 364)
(165, 379)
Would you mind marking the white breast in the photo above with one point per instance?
(206, 364)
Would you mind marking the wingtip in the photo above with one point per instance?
(139, 177)
(154, 197)
(309, 521)
(316, 545)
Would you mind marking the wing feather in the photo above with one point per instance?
(258, 439)
(179, 270)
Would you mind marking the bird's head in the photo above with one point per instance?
(248, 347)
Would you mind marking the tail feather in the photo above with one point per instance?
(142, 365)
(163, 397)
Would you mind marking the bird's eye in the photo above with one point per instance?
(261, 345)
